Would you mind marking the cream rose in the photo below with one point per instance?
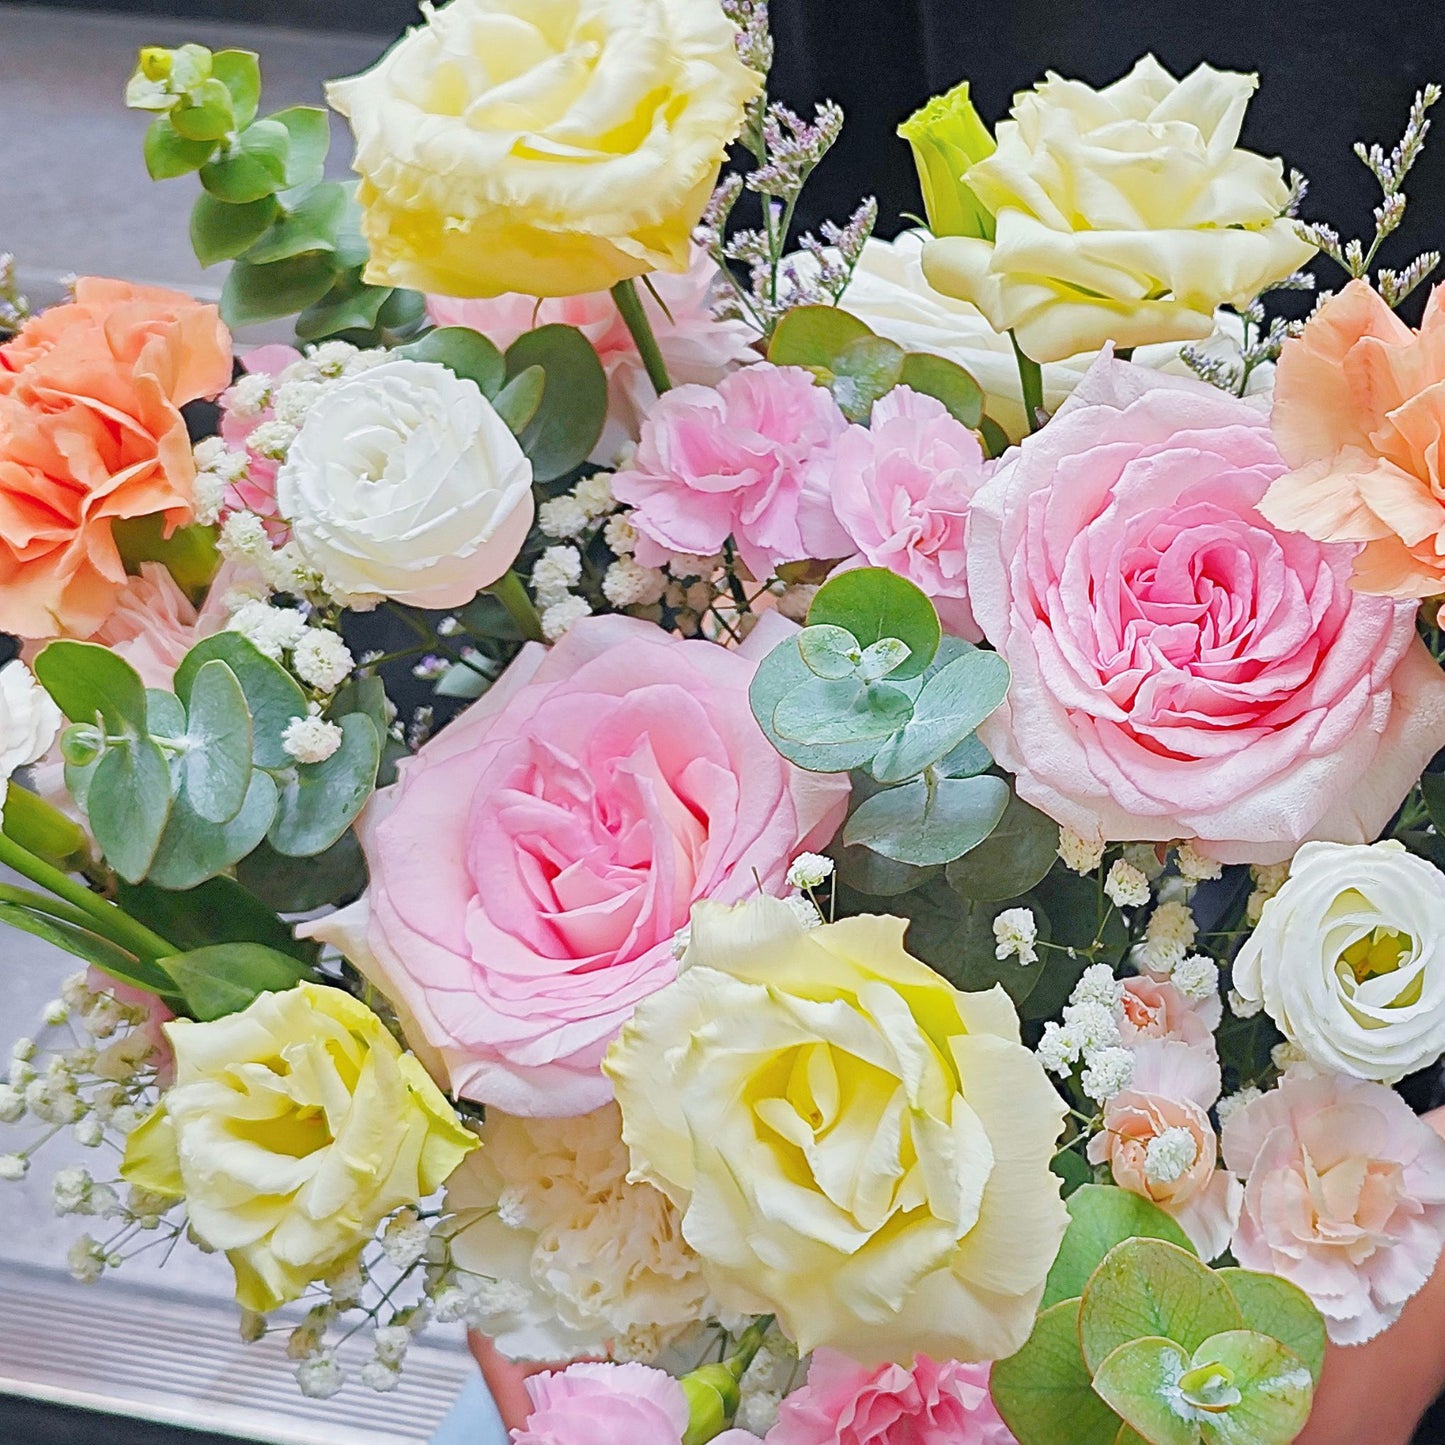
(404, 483)
(29, 721)
(292, 1130)
(854, 1144)
(550, 149)
(1125, 215)
(1348, 959)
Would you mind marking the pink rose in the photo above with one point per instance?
(534, 862)
(697, 349)
(844, 1403)
(901, 489)
(1159, 1143)
(1155, 1009)
(1181, 668)
(1344, 1196)
(749, 459)
(610, 1405)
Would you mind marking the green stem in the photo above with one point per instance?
(43, 903)
(1031, 377)
(510, 592)
(104, 918)
(629, 304)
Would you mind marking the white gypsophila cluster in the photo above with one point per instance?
(1196, 977)
(1168, 937)
(1286, 1055)
(322, 660)
(556, 572)
(810, 870)
(1089, 1034)
(562, 517)
(1170, 1155)
(563, 1252)
(627, 583)
(1079, 853)
(1268, 879)
(1232, 1103)
(1097, 985)
(560, 616)
(766, 1381)
(804, 910)
(311, 739)
(1125, 885)
(1193, 866)
(250, 396)
(218, 467)
(1015, 933)
(271, 630)
(1107, 1072)
(620, 535)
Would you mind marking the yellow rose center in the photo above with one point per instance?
(1379, 952)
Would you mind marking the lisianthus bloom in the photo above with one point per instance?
(1359, 414)
(901, 488)
(576, 1258)
(1159, 1143)
(697, 349)
(1348, 958)
(1344, 1196)
(854, 1144)
(1181, 668)
(91, 433)
(611, 1405)
(1152, 1008)
(1126, 214)
(929, 1403)
(749, 459)
(506, 149)
(292, 1130)
(531, 867)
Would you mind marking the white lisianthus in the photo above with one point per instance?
(1126, 214)
(581, 1257)
(404, 483)
(1349, 959)
(29, 721)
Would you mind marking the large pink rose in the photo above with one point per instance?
(749, 459)
(1181, 668)
(844, 1403)
(901, 488)
(1344, 1196)
(533, 864)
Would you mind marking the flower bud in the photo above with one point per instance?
(712, 1400)
(948, 137)
(82, 744)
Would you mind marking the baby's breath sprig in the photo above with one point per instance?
(14, 308)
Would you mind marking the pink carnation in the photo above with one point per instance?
(534, 863)
(610, 1405)
(901, 489)
(1344, 1196)
(1154, 1009)
(1181, 668)
(697, 349)
(749, 459)
(154, 624)
(844, 1403)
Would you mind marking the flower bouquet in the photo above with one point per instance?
(838, 840)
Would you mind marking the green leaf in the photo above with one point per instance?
(254, 293)
(169, 154)
(221, 232)
(1012, 859)
(1071, 1166)
(80, 943)
(187, 553)
(229, 977)
(128, 802)
(255, 165)
(967, 760)
(336, 876)
(308, 226)
(829, 651)
(953, 702)
(1044, 1392)
(205, 112)
(869, 872)
(349, 307)
(216, 763)
(1147, 1287)
(813, 336)
(995, 438)
(864, 371)
(1274, 1386)
(88, 682)
(465, 353)
(948, 382)
(165, 714)
(872, 603)
(779, 673)
(520, 399)
(1275, 1307)
(1140, 1381)
(273, 697)
(569, 421)
(240, 72)
(822, 710)
(914, 824)
(220, 910)
(1101, 1217)
(192, 851)
(321, 800)
(309, 138)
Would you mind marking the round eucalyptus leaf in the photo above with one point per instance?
(779, 673)
(128, 802)
(216, 764)
(464, 352)
(319, 801)
(824, 710)
(192, 850)
(873, 603)
(573, 409)
(1012, 859)
(949, 708)
(273, 697)
(912, 824)
(829, 651)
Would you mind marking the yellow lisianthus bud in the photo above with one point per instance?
(712, 1400)
(948, 137)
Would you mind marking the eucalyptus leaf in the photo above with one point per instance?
(349, 308)
(814, 337)
(922, 824)
(886, 655)
(824, 710)
(1140, 1382)
(520, 400)
(946, 381)
(1012, 859)
(193, 850)
(1275, 1307)
(967, 760)
(128, 802)
(88, 682)
(828, 651)
(188, 553)
(864, 371)
(273, 697)
(319, 801)
(165, 714)
(573, 409)
(229, 977)
(465, 353)
(1274, 1386)
(880, 877)
(336, 876)
(781, 672)
(310, 225)
(873, 603)
(216, 763)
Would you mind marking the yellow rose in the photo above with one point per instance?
(292, 1130)
(854, 1145)
(1125, 215)
(549, 147)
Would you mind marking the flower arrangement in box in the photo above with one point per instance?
(839, 840)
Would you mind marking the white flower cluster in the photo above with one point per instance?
(245, 539)
(1168, 937)
(311, 739)
(810, 870)
(319, 657)
(1015, 934)
(218, 468)
(1081, 854)
(1126, 885)
(765, 1382)
(1090, 1034)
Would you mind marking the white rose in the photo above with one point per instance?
(404, 483)
(1349, 959)
(1125, 215)
(29, 721)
